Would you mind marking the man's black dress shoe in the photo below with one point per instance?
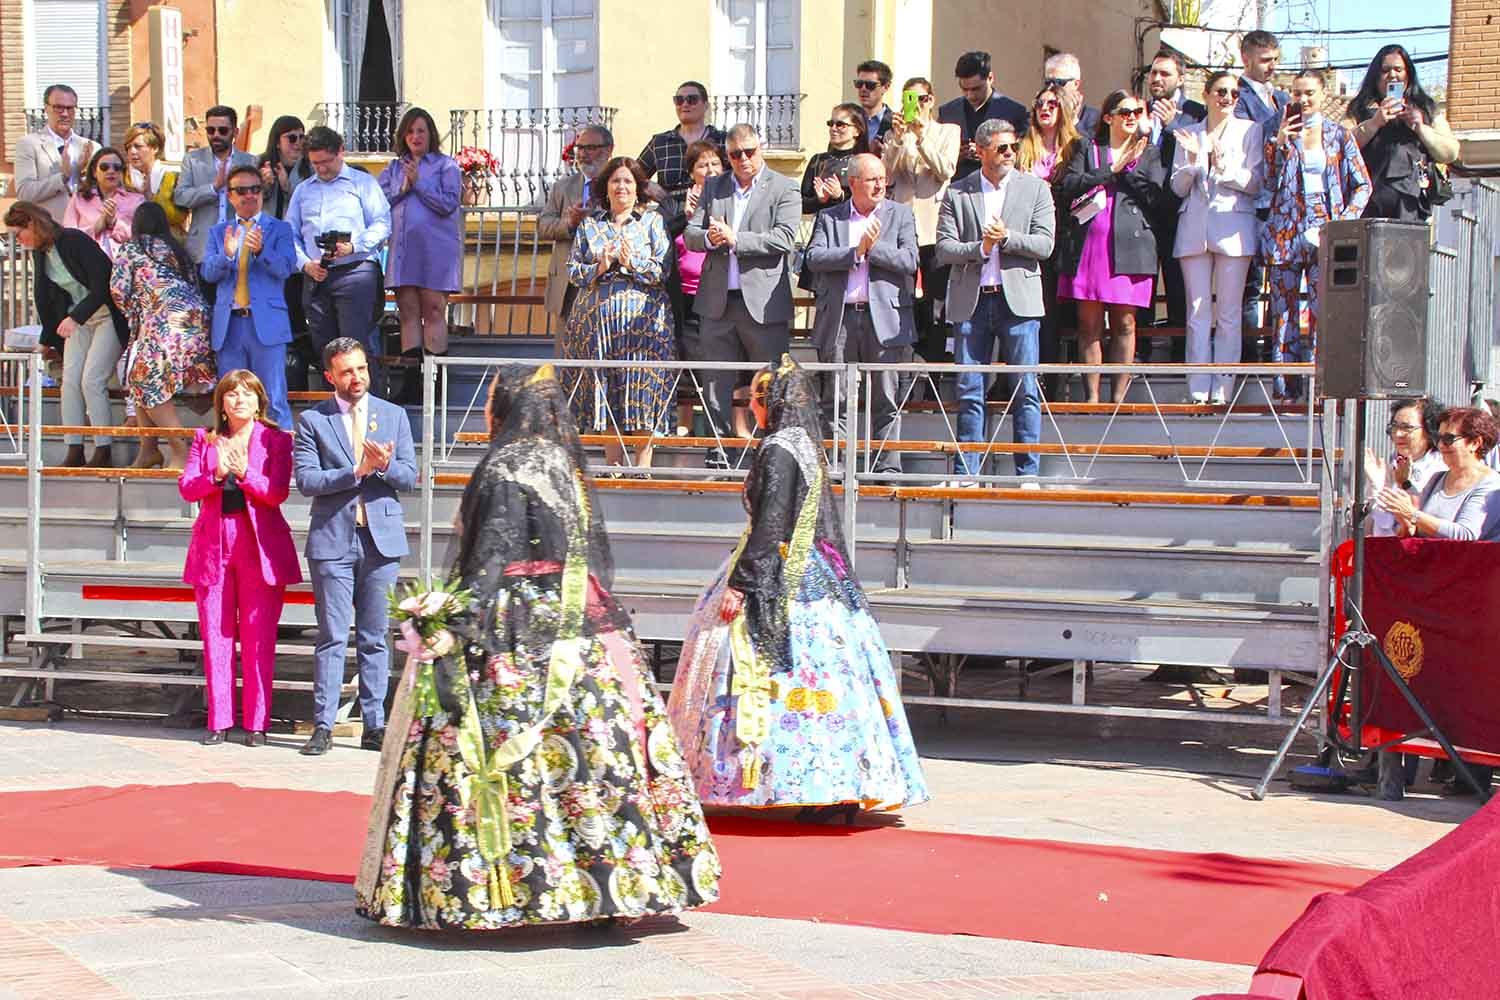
(255, 738)
(213, 738)
(318, 743)
(371, 739)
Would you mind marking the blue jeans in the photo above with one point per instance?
(974, 343)
(243, 349)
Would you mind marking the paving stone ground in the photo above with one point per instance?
(85, 932)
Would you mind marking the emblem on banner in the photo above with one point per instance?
(1403, 644)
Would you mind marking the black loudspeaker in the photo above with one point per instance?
(1372, 318)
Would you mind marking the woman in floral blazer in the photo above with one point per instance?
(1316, 175)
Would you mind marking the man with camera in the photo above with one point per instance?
(340, 218)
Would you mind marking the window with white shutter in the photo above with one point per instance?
(65, 43)
(545, 54)
(759, 42)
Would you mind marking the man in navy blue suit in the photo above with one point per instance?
(247, 258)
(1263, 104)
(980, 102)
(353, 456)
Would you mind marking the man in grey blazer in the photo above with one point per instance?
(994, 229)
(863, 261)
(353, 456)
(50, 163)
(747, 222)
(202, 186)
(567, 204)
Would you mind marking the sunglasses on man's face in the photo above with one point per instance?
(218, 129)
(245, 189)
(1005, 147)
(688, 99)
(743, 154)
(865, 84)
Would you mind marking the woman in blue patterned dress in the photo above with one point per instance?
(785, 694)
(155, 286)
(622, 313)
(529, 773)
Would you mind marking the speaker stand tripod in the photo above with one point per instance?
(1328, 737)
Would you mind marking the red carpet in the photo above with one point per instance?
(1215, 907)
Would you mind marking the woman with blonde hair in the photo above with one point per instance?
(241, 557)
(149, 177)
(1046, 147)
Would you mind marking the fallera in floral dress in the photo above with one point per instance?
(794, 702)
(532, 776)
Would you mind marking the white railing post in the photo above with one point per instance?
(429, 368)
(851, 477)
(34, 497)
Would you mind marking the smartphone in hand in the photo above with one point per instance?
(1395, 90)
(909, 102)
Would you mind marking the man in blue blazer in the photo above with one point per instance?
(247, 258)
(353, 456)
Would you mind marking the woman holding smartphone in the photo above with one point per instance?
(1315, 175)
(1402, 137)
(920, 155)
(426, 248)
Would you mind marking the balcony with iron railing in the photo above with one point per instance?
(366, 127)
(773, 115)
(90, 122)
(527, 143)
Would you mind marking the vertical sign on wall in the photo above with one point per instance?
(164, 25)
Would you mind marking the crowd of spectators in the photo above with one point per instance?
(1145, 203)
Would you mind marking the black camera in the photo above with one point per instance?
(329, 244)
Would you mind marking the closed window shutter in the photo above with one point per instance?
(67, 36)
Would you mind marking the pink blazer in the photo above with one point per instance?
(268, 480)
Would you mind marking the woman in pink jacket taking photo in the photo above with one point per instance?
(242, 557)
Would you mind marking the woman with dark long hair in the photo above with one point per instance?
(103, 206)
(825, 182)
(785, 694)
(242, 556)
(282, 165)
(1110, 194)
(426, 250)
(1402, 137)
(79, 320)
(154, 284)
(529, 774)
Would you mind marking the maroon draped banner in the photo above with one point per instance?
(1434, 606)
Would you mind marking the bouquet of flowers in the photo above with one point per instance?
(422, 612)
(476, 160)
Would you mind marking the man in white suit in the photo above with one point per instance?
(50, 163)
(863, 261)
(995, 228)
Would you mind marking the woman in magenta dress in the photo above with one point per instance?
(426, 256)
(1111, 197)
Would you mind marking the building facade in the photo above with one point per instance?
(519, 76)
(1474, 81)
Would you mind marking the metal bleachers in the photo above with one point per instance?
(1143, 557)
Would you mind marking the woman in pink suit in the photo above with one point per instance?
(241, 557)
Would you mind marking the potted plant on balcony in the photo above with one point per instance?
(478, 166)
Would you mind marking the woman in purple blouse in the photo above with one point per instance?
(426, 248)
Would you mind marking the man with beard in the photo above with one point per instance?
(1170, 110)
(565, 209)
(203, 185)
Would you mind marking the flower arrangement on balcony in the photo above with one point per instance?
(477, 165)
